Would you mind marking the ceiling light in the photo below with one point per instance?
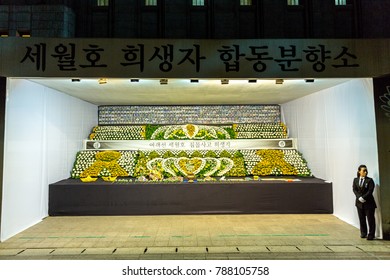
(24, 33)
(224, 81)
(194, 81)
(76, 80)
(309, 80)
(252, 81)
(279, 81)
(134, 80)
(102, 81)
(163, 81)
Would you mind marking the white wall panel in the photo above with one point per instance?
(336, 133)
(44, 130)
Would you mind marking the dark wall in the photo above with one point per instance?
(375, 19)
(37, 20)
(3, 93)
(37, 2)
(223, 19)
(382, 113)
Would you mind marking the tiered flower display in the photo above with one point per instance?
(172, 165)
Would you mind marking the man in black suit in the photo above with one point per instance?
(363, 188)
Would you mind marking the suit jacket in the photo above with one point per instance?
(365, 191)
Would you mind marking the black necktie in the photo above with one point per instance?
(361, 182)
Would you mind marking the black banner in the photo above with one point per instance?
(3, 95)
(382, 112)
(168, 58)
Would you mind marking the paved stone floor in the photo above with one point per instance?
(193, 237)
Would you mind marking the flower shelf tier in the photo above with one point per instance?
(181, 163)
(199, 114)
(189, 132)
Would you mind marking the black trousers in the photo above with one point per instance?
(367, 216)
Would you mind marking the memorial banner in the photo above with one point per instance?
(236, 144)
(190, 58)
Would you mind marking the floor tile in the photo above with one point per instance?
(252, 249)
(160, 250)
(9, 252)
(98, 251)
(282, 248)
(374, 248)
(295, 236)
(67, 251)
(214, 250)
(35, 252)
(130, 251)
(319, 248)
(192, 250)
(344, 248)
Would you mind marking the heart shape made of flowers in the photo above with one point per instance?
(190, 165)
(214, 163)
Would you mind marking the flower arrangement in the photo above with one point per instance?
(103, 164)
(273, 163)
(280, 162)
(250, 159)
(296, 159)
(84, 159)
(140, 169)
(128, 160)
(106, 165)
(185, 166)
(202, 163)
(200, 114)
(112, 132)
(188, 131)
(238, 169)
(260, 131)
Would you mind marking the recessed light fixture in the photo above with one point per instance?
(4, 34)
(24, 33)
(102, 81)
(163, 81)
(279, 81)
(224, 81)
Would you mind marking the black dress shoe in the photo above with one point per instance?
(370, 238)
(363, 235)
